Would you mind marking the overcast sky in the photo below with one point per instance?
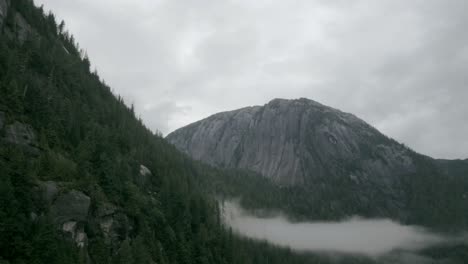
(401, 65)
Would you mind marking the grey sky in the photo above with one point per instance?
(401, 65)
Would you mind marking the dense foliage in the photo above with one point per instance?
(431, 197)
(90, 140)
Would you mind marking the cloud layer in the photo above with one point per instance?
(370, 237)
(400, 65)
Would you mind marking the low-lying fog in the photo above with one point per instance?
(371, 237)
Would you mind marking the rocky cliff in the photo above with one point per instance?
(69, 209)
(295, 142)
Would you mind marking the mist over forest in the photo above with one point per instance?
(374, 238)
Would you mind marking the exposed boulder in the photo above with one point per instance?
(71, 206)
(113, 223)
(76, 233)
(143, 177)
(144, 170)
(69, 227)
(81, 238)
(22, 135)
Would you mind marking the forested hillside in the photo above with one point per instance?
(82, 179)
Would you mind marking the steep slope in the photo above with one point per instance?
(295, 142)
(82, 180)
(328, 164)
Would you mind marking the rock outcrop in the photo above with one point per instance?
(22, 135)
(71, 211)
(76, 232)
(49, 191)
(294, 142)
(4, 4)
(23, 29)
(113, 222)
(143, 177)
(70, 206)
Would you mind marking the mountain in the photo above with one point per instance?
(328, 164)
(295, 142)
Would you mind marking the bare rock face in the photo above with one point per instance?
(143, 177)
(23, 28)
(70, 206)
(20, 134)
(69, 211)
(4, 4)
(23, 135)
(113, 223)
(295, 142)
(76, 232)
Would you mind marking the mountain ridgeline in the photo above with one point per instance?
(335, 164)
